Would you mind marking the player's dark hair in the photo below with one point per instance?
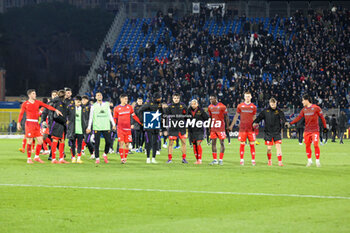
(67, 89)
(85, 97)
(78, 97)
(176, 94)
(30, 91)
(213, 95)
(45, 100)
(54, 91)
(139, 98)
(123, 96)
(61, 94)
(307, 97)
(273, 100)
(98, 92)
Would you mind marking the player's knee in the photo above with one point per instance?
(269, 150)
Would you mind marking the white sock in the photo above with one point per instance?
(104, 155)
(317, 160)
(253, 160)
(309, 160)
(36, 156)
(220, 160)
(97, 158)
(242, 160)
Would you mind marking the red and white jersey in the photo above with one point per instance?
(311, 115)
(32, 110)
(122, 117)
(217, 113)
(247, 113)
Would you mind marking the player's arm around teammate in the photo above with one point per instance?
(32, 128)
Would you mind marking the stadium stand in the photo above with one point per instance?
(206, 53)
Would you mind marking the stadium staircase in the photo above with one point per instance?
(110, 39)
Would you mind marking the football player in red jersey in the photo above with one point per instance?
(311, 113)
(122, 115)
(32, 128)
(247, 111)
(219, 123)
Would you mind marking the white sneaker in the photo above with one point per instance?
(148, 160)
(165, 146)
(145, 152)
(83, 152)
(157, 153)
(111, 151)
(309, 163)
(318, 164)
(300, 144)
(154, 160)
(92, 156)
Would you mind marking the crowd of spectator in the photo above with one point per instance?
(312, 56)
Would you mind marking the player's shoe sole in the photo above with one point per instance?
(54, 161)
(38, 160)
(214, 163)
(184, 161)
(308, 164)
(79, 161)
(30, 161)
(63, 161)
(154, 161)
(280, 164)
(198, 162)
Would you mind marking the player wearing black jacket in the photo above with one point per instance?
(85, 120)
(139, 135)
(196, 133)
(75, 131)
(152, 135)
(58, 128)
(274, 121)
(176, 117)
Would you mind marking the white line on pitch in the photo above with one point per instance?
(179, 191)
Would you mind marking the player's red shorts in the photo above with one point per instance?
(124, 136)
(271, 143)
(242, 136)
(219, 135)
(311, 137)
(181, 136)
(32, 129)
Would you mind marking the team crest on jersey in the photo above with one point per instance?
(276, 112)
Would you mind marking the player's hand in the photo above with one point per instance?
(58, 112)
(19, 126)
(114, 128)
(287, 124)
(230, 128)
(88, 131)
(255, 125)
(132, 127)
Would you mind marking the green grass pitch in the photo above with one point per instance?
(178, 208)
